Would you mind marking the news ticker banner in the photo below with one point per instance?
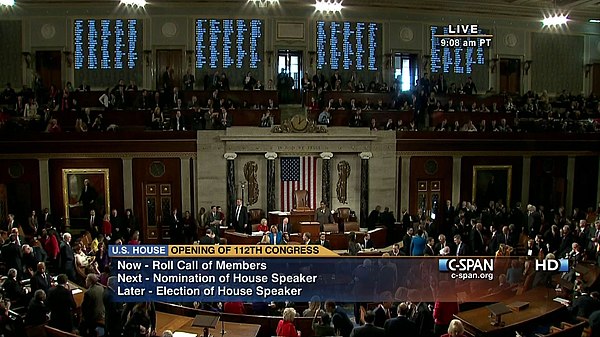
(297, 273)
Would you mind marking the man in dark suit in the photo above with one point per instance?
(306, 239)
(401, 325)
(61, 303)
(374, 218)
(13, 290)
(448, 215)
(407, 240)
(41, 279)
(94, 223)
(585, 304)
(214, 221)
(113, 309)
(208, 239)
(285, 226)
(240, 218)
(340, 320)
(367, 243)
(429, 251)
(368, 330)
(534, 221)
(12, 254)
(323, 242)
(383, 313)
(176, 227)
(323, 215)
(67, 259)
(118, 228)
(45, 220)
(477, 242)
(88, 197)
(461, 248)
(178, 122)
(92, 307)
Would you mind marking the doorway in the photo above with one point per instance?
(289, 67)
(596, 78)
(406, 71)
(173, 58)
(510, 75)
(48, 64)
(157, 210)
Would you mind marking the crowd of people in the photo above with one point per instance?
(43, 263)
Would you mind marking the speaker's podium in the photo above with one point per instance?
(302, 216)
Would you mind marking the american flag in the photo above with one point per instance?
(298, 173)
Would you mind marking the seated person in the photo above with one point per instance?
(13, 290)
(357, 119)
(340, 105)
(263, 227)
(37, 311)
(324, 117)
(266, 120)
(83, 262)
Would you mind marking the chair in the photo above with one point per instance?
(344, 213)
(255, 215)
(301, 197)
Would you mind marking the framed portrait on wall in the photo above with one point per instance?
(85, 190)
(492, 183)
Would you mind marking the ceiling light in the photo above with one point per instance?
(328, 5)
(7, 2)
(594, 21)
(555, 20)
(264, 3)
(134, 3)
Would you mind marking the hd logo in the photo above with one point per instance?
(560, 265)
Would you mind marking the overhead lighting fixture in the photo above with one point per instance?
(264, 3)
(594, 21)
(134, 3)
(555, 20)
(7, 2)
(328, 6)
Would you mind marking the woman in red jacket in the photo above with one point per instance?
(286, 327)
(106, 226)
(443, 313)
(263, 226)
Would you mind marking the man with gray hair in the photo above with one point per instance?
(113, 309)
(67, 259)
(167, 333)
(92, 307)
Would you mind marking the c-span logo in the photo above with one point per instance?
(560, 265)
(466, 265)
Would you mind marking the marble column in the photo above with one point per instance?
(326, 178)
(271, 156)
(186, 199)
(570, 183)
(127, 183)
(45, 184)
(524, 182)
(231, 196)
(364, 187)
(456, 170)
(405, 186)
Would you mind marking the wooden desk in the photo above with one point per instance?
(477, 321)
(312, 227)
(298, 216)
(174, 323)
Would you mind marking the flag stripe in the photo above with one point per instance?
(298, 173)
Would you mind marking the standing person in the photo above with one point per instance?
(323, 215)
(341, 323)
(113, 309)
(92, 307)
(368, 330)
(188, 81)
(61, 303)
(67, 258)
(240, 218)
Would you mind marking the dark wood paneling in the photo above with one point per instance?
(419, 173)
(547, 184)
(466, 176)
(115, 167)
(23, 190)
(476, 141)
(103, 142)
(586, 180)
(142, 176)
